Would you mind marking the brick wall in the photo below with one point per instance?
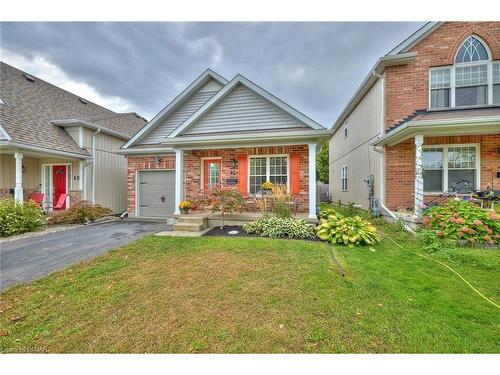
(406, 90)
(406, 87)
(192, 169)
(400, 166)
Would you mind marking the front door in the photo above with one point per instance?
(212, 172)
(59, 181)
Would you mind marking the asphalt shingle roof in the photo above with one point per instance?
(30, 107)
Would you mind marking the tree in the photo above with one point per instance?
(223, 200)
(322, 164)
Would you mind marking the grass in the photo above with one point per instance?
(239, 295)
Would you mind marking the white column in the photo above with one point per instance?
(312, 180)
(419, 174)
(18, 191)
(179, 178)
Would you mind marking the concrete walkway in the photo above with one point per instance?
(29, 259)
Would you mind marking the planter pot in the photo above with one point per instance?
(184, 211)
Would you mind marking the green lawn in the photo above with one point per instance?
(238, 295)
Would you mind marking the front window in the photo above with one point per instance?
(450, 168)
(473, 80)
(267, 168)
(496, 83)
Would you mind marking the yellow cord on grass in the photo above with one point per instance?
(445, 265)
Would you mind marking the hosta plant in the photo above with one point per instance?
(277, 227)
(349, 231)
(460, 221)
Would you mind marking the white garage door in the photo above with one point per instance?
(156, 193)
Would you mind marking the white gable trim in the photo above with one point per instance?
(4, 133)
(415, 38)
(195, 85)
(239, 79)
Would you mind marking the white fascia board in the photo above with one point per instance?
(146, 151)
(23, 146)
(5, 134)
(239, 79)
(481, 125)
(415, 38)
(247, 137)
(369, 81)
(76, 122)
(195, 85)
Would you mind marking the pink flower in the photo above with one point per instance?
(439, 234)
(460, 221)
(478, 222)
(487, 229)
(493, 215)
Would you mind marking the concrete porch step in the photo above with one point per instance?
(191, 220)
(188, 227)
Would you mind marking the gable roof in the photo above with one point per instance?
(226, 90)
(199, 82)
(399, 55)
(31, 105)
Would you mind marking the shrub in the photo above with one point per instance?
(79, 213)
(349, 231)
(277, 227)
(460, 221)
(349, 209)
(16, 218)
(223, 200)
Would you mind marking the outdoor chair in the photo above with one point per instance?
(37, 198)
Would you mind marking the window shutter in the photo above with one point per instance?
(242, 174)
(294, 173)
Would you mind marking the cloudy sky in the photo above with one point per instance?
(315, 67)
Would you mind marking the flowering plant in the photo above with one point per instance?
(461, 220)
(185, 205)
(268, 185)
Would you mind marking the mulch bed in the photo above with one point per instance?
(241, 233)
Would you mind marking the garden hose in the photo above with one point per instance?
(447, 266)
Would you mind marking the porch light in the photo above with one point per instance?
(234, 163)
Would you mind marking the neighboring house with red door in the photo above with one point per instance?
(426, 120)
(222, 133)
(55, 142)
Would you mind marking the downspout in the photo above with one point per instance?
(94, 163)
(382, 159)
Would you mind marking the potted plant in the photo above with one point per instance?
(267, 186)
(184, 206)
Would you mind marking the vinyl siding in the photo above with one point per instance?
(111, 171)
(181, 114)
(243, 110)
(364, 124)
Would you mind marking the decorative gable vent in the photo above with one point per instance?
(28, 77)
(83, 101)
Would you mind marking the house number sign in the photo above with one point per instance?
(60, 171)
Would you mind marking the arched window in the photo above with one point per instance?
(473, 80)
(472, 49)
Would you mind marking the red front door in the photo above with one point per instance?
(59, 181)
(211, 173)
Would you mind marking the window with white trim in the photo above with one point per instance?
(343, 178)
(450, 167)
(267, 168)
(473, 80)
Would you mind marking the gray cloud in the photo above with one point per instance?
(315, 67)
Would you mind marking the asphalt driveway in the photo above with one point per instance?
(32, 258)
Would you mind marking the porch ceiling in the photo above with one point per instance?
(447, 127)
(36, 152)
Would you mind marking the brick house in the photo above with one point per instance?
(425, 121)
(217, 132)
